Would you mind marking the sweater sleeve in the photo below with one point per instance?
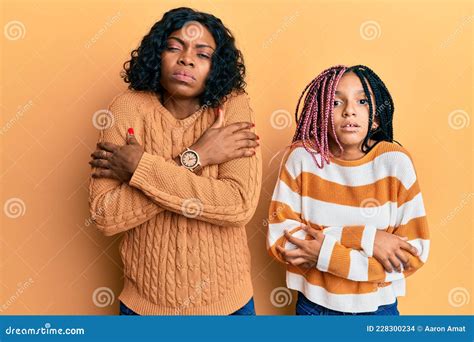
(354, 265)
(285, 214)
(115, 206)
(229, 200)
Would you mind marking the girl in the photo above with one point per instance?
(347, 215)
(186, 178)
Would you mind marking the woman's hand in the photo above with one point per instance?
(388, 250)
(219, 144)
(114, 161)
(307, 253)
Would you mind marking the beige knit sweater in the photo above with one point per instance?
(185, 246)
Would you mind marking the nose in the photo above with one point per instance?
(185, 59)
(349, 110)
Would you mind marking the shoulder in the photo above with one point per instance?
(393, 153)
(129, 105)
(130, 99)
(237, 108)
(236, 97)
(297, 156)
(397, 161)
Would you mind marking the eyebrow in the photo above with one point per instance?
(358, 92)
(197, 45)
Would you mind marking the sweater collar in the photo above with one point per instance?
(158, 106)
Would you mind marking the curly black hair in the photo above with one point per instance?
(227, 73)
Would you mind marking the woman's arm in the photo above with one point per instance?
(115, 206)
(231, 199)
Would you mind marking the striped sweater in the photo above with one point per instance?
(349, 201)
(184, 244)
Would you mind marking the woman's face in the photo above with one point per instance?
(351, 112)
(186, 61)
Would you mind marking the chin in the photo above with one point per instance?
(351, 142)
(183, 90)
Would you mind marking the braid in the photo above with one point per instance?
(318, 105)
(382, 102)
(312, 124)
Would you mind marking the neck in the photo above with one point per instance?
(180, 108)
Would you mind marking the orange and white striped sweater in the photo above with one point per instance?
(348, 201)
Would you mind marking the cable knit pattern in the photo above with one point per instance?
(177, 263)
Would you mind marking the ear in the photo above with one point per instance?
(375, 123)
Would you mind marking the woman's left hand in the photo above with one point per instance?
(114, 161)
(307, 253)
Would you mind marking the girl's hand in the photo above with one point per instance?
(388, 250)
(114, 161)
(307, 253)
(220, 144)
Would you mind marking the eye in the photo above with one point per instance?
(364, 101)
(202, 55)
(336, 103)
(172, 48)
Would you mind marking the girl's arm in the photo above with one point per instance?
(354, 265)
(285, 213)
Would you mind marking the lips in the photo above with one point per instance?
(183, 76)
(350, 124)
(350, 127)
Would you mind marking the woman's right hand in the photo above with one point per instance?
(219, 144)
(389, 251)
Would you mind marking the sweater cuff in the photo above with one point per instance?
(142, 170)
(325, 253)
(368, 239)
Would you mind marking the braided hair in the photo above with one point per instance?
(313, 121)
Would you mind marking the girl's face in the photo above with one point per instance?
(351, 113)
(186, 61)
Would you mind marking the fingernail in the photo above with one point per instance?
(131, 131)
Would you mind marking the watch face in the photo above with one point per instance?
(189, 159)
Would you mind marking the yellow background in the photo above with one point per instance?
(63, 65)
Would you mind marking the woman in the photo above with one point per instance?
(186, 178)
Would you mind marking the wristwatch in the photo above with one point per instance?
(190, 160)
